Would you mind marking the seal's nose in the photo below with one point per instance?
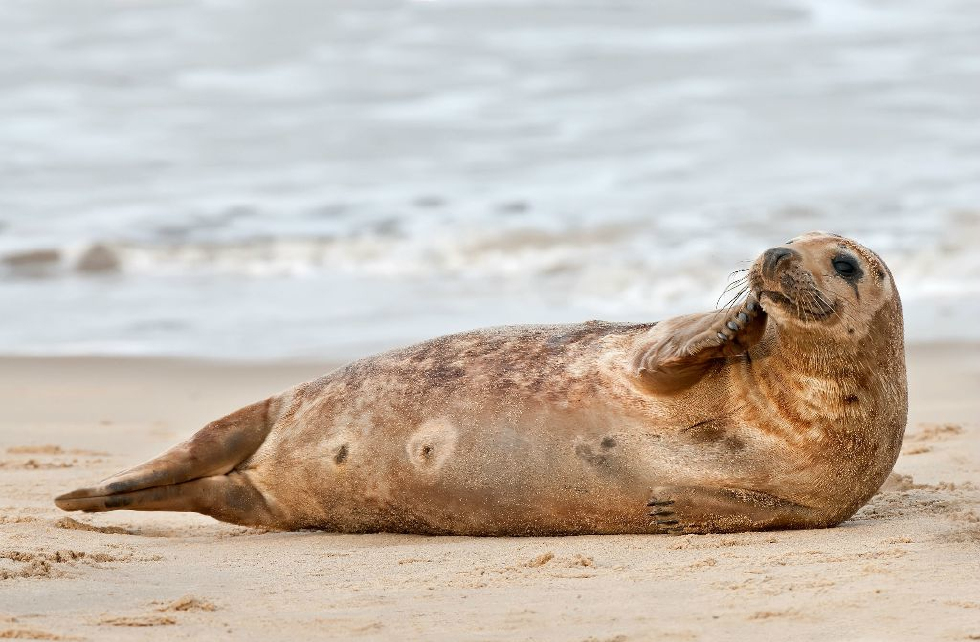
(772, 257)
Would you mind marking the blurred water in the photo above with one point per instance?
(307, 178)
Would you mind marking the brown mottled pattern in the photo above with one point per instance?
(751, 419)
(499, 392)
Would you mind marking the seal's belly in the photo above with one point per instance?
(555, 472)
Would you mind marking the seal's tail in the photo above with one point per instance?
(197, 475)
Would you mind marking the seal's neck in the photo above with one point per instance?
(837, 384)
(808, 355)
(838, 389)
(833, 353)
(842, 399)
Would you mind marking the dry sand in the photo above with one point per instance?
(907, 566)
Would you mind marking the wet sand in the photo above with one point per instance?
(907, 566)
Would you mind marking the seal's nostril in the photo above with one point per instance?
(777, 253)
(772, 257)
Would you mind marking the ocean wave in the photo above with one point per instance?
(602, 258)
(366, 176)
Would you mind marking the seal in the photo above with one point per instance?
(784, 410)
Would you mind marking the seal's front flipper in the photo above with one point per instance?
(196, 475)
(679, 351)
(679, 510)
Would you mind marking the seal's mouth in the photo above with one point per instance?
(775, 297)
(794, 291)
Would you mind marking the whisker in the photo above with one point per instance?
(809, 305)
(825, 302)
(735, 299)
(738, 283)
(741, 279)
(733, 286)
(834, 310)
(826, 308)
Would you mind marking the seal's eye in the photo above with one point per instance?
(845, 266)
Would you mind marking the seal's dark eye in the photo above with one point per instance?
(844, 266)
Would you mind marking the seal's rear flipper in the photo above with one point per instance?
(197, 475)
(230, 498)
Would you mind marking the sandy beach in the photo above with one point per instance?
(186, 183)
(907, 566)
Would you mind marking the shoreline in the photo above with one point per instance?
(911, 348)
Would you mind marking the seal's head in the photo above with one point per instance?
(825, 284)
